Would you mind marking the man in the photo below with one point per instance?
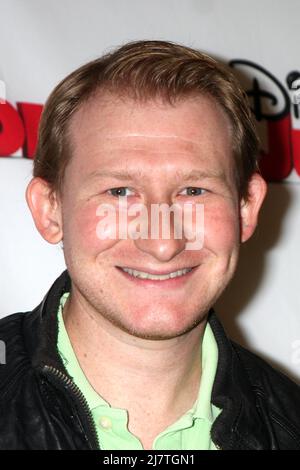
(125, 351)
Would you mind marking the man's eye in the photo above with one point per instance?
(119, 192)
(191, 191)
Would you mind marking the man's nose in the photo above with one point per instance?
(162, 243)
(162, 250)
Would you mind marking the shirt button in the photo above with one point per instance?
(105, 422)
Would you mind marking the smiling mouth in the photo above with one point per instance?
(156, 277)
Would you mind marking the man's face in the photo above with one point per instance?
(151, 149)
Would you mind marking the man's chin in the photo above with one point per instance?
(158, 332)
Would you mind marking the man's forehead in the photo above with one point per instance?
(130, 143)
(126, 113)
(102, 131)
(182, 141)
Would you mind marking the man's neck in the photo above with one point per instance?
(157, 381)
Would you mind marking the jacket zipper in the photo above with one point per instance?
(80, 398)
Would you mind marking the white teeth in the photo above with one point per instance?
(156, 277)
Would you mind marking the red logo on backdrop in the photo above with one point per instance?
(18, 128)
(270, 103)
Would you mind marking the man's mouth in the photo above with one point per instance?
(156, 277)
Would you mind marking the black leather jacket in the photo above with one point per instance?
(41, 407)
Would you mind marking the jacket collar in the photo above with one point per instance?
(41, 327)
(237, 427)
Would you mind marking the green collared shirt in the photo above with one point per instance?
(190, 432)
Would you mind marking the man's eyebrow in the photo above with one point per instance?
(193, 175)
(118, 174)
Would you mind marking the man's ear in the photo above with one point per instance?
(250, 207)
(45, 207)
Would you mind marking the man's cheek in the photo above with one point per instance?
(94, 233)
(221, 230)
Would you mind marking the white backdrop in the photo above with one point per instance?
(42, 41)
